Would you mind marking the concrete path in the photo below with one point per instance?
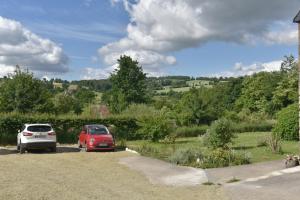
(278, 185)
(163, 173)
(242, 172)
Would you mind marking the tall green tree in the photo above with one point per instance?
(128, 85)
(257, 92)
(286, 92)
(21, 92)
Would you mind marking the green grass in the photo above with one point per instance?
(244, 142)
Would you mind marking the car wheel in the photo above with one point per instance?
(22, 149)
(85, 148)
(79, 145)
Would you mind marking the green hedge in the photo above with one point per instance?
(263, 126)
(191, 131)
(66, 127)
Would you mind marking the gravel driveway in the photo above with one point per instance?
(78, 175)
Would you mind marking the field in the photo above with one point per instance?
(80, 175)
(245, 142)
(194, 83)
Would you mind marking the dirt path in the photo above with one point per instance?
(79, 175)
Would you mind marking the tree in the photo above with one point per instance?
(128, 85)
(24, 93)
(286, 92)
(257, 92)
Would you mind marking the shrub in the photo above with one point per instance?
(287, 126)
(220, 134)
(155, 127)
(274, 143)
(186, 156)
(223, 158)
(191, 131)
(216, 158)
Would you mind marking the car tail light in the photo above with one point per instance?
(52, 133)
(27, 134)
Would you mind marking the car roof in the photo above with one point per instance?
(95, 125)
(37, 124)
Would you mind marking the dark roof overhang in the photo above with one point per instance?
(297, 18)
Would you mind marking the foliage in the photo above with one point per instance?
(23, 93)
(186, 156)
(257, 92)
(286, 92)
(155, 127)
(287, 126)
(220, 134)
(274, 143)
(191, 131)
(128, 85)
(66, 127)
(223, 158)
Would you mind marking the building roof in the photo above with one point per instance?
(297, 18)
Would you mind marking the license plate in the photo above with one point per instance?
(102, 145)
(40, 136)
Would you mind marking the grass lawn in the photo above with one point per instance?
(244, 142)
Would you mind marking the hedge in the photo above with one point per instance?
(67, 128)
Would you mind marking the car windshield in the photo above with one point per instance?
(97, 130)
(40, 128)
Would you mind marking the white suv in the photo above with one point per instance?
(36, 136)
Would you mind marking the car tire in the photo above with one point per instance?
(79, 145)
(85, 148)
(22, 149)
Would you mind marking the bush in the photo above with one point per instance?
(66, 127)
(274, 143)
(220, 134)
(287, 126)
(210, 159)
(186, 156)
(191, 131)
(155, 127)
(223, 158)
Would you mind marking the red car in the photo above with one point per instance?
(96, 137)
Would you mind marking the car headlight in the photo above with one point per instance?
(92, 140)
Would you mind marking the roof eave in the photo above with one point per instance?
(297, 18)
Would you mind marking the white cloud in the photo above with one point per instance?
(19, 45)
(240, 69)
(161, 27)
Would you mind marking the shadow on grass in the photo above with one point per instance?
(244, 147)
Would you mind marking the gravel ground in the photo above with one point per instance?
(78, 175)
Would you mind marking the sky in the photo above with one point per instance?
(82, 39)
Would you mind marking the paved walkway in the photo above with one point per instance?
(277, 185)
(242, 172)
(163, 173)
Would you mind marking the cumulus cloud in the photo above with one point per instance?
(241, 69)
(159, 27)
(19, 46)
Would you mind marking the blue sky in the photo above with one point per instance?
(81, 39)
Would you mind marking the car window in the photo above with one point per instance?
(39, 128)
(97, 130)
